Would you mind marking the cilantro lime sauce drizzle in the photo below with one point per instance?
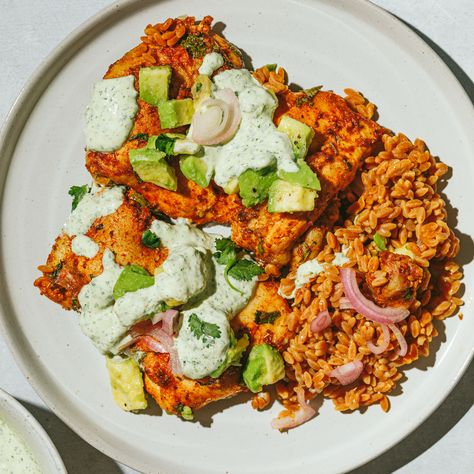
(15, 457)
(190, 277)
(257, 143)
(312, 268)
(84, 246)
(96, 203)
(210, 63)
(110, 114)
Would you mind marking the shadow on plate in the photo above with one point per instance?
(77, 455)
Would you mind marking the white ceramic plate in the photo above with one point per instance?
(32, 434)
(333, 42)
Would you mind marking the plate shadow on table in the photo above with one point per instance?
(77, 455)
(461, 399)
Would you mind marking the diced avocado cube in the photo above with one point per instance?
(154, 83)
(127, 384)
(132, 278)
(195, 169)
(232, 187)
(234, 354)
(175, 113)
(151, 166)
(288, 197)
(202, 89)
(264, 366)
(254, 185)
(300, 135)
(305, 177)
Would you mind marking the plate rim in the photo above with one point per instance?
(12, 128)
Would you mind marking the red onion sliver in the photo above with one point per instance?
(321, 321)
(217, 120)
(168, 318)
(366, 307)
(401, 340)
(382, 347)
(303, 414)
(348, 373)
(344, 303)
(153, 344)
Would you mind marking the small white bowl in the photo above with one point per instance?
(32, 433)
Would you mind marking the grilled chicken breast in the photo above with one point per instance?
(343, 139)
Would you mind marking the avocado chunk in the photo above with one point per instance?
(254, 185)
(264, 367)
(175, 113)
(195, 169)
(132, 278)
(232, 187)
(201, 90)
(234, 354)
(305, 177)
(173, 144)
(300, 135)
(151, 166)
(289, 197)
(127, 384)
(154, 83)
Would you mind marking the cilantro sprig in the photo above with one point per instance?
(150, 239)
(165, 144)
(228, 254)
(77, 193)
(202, 329)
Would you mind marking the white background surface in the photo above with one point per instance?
(30, 29)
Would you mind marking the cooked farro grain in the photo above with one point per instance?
(395, 196)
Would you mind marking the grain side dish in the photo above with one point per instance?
(334, 257)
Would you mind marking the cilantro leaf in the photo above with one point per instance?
(245, 270)
(77, 193)
(264, 317)
(201, 329)
(226, 251)
(165, 144)
(139, 136)
(150, 239)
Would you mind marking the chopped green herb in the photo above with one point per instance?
(408, 294)
(77, 193)
(308, 96)
(139, 136)
(55, 272)
(150, 239)
(260, 248)
(226, 251)
(165, 144)
(201, 329)
(75, 304)
(245, 270)
(271, 67)
(185, 412)
(195, 45)
(227, 254)
(198, 86)
(139, 199)
(264, 317)
(380, 242)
